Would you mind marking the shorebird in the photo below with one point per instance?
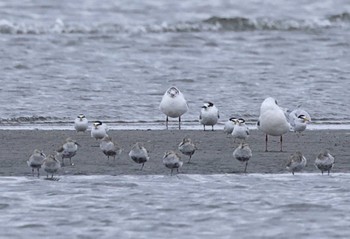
(296, 162)
(51, 165)
(172, 160)
(272, 120)
(324, 161)
(240, 131)
(110, 148)
(81, 123)
(99, 130)
(139, 154)
(68, 150)
(187, 147)
(36, 160)
(243, 153)
(173, 105)
(298, 120)
(229, 125)
(209, 115)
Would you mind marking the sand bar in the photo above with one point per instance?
(214, 154)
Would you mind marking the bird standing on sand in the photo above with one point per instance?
(99, 130)
(229, 125)
(110, 148)
(139, 154)
(51, 165)
(36, 160)
(272, 120)
(298, 120)
(209, 115)
(296, 162)
(187, 147)
(173, 105)
(240, 131)
(324, 161)
(81, 123)
(172, 160)
(68, 150)
(243, 153)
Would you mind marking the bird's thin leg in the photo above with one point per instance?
(246, 165)
(70, 161)
(204, 127)
(33, 172)
(171, 172)
(266, 139)
(166, 122)
(62, 161)
(180, 122)
(212, 128)
(281, 139)
(142, 166)
(189, 159)
(38, 172)
(328, 171)
(322, 172)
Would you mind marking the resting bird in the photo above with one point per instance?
(139, 154)
(110, 148)
(324, 161)
(68, 150)
(296, 162)
(229, 125)
(172, 160)
(187, 147)
(99, 130)
(36, 160)
(298, 120)
(51, 165)
(243, 153)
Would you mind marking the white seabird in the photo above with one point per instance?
(173, 105)
(99, 130)
(240, 131)
(209, 115)
(272, 120)
(81, 124)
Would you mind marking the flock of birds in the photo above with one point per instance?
(273, 121)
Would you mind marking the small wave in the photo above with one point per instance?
(215, 23)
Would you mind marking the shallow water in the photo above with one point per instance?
(184, 206)
(114, 60)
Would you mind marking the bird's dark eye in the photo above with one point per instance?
(276, 102)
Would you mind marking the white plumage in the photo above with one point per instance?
(209, 115)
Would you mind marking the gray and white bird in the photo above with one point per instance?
(109, 147)
(243, 153)
(81, 124)
(36, 160)
(240, 131)
(173, 105)
(324, 161)
(172, 160)
(272, 120)
(298, 120)
(229, 125)
(296, 162)
(187, 147)
(68, 150)
(139, 154)
(51, 165)
(209, 115)
(99, 130)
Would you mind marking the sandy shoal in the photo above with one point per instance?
(214, 154)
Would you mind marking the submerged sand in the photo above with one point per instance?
(214, 154)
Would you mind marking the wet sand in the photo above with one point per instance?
(214, 154)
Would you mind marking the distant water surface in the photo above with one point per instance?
(183, 206)
(113, 60)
